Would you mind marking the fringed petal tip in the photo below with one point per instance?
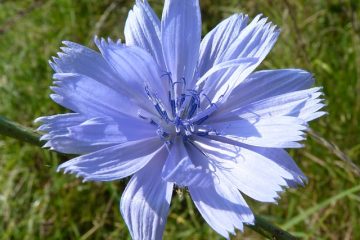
(45, 137)
(40, 120)
(42, 128)
(58, 63)
(301, 181)
(47, 145)
(102, 42)
(76, 173)
(223, 207)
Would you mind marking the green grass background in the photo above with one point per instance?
(38, 203)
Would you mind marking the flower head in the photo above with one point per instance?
(171, 110)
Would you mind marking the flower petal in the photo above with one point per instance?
(254, 171)
(253, 41)
(107, 130)
(145, 202)
(278, 160)
(84, 95)
(263, 84)
(220, 84)
(142, 29)
(218, 40)
(137, 70)
(180, 38)
(222, 206)
(225, 65)
(301, 104)
(76, 58)
(281, 158)
(88, 136)
(73, 133)
(180, 169)
(304, 104)
(57, 134)
(114, 162)
(60, 121)
(275, 132)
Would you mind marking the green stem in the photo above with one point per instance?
(268, 230)
(19, 132)
(25, 134)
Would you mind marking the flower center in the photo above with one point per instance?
(186, 114)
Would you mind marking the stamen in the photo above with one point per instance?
(187, 128)
(201, 120)
(157, 104)
(162, 134)
(214, 133)
(202, 132)
(204, 114)
(182, 100)
(171, 94)
(186, 113)
(178, 95)
(193, 107)
(207, 98)
(177, 123)
(168, 74)
(172, 104)
(194, 103)
(183, 81)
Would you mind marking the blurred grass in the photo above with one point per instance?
(38, 203)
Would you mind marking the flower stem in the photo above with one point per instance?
(25, 134)
(19, 132)
(268, 230)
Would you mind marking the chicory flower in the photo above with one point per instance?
(172, 110)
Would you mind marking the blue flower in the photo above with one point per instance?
(171, 110)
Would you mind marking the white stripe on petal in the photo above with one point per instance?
(253, 41)
(180, 38)
(263, 84)
(75, 134)
(142, 28)
(282, 159)
(222, 206)
(276, 132)
(257, 174)
(58, 135)
(224, 65)
(84, 95)
(60, 121)
(112, 131)
(301, 104)
(218, 40)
